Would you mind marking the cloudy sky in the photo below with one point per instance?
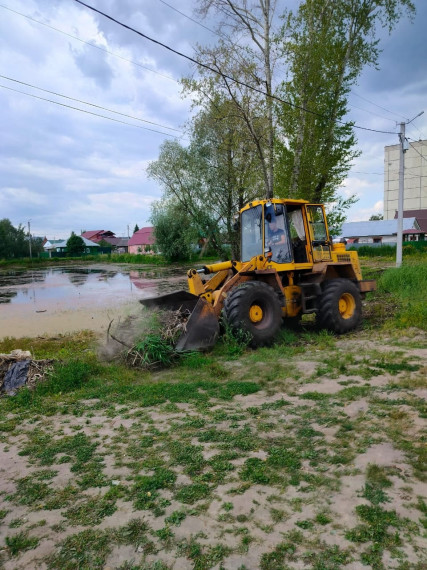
(64, 169)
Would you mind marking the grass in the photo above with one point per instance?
(21, 542)
(407, 285)
(223, 454)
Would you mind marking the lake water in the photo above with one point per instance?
(64, 298)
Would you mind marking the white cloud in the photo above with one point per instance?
(66, 170)
(9, 196)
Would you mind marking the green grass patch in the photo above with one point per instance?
(21, 542)
(86, 549)
(90, 512)
(190, 494)
(407, 284)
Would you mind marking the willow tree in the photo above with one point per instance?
(214, 175)
(326, 45)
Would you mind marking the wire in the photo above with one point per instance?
(87, 112)
(89, 43)
(217, 72)
(190, 18)
(422, 156)
(91, 104)
(379, 106)
(372, 113)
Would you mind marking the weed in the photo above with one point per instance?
(176, 518)
(134, 533)
(154, 350)
(86, 549)
(328, 558)
(234, 341)
(30, 492)
(256, 471)
(189, 455)
(275, 559)
(190, 494)
(306, 524)
(20, 542)
(278, 515)
(90, 512)
(145, 487)
(67, 377)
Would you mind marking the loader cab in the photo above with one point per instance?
(290, 232)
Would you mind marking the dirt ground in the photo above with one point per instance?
(17, 322)
(321, 464)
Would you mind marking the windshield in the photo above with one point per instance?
(251, 233)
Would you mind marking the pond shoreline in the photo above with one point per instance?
(64, 299)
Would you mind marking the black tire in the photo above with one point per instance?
(340, 306)
(254, 307)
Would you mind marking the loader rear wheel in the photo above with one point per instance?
(340, 306)
(254, 307)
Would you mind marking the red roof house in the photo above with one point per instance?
(142, 241)
(98, 235)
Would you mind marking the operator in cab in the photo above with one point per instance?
(276, 236)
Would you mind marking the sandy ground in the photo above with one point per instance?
(247, 515)
(18, 321)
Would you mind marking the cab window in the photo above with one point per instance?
(251, 223)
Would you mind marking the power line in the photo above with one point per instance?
(87, 112)
(422, 156)
(221, 35)
(372, 113)
(217, 72)
(89, 43)
(379, 106)
(91, 104)
(190, 18)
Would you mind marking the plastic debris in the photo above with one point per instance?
(16, 376)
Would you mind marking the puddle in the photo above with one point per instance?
(64, 299)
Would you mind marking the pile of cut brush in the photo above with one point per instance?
(19, 368)
(156, 347)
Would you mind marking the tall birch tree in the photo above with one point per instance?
(249, 58)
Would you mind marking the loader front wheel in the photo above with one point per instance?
(254, 307)
(340, 306)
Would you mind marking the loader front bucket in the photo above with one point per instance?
(202, 327)
(182, 300)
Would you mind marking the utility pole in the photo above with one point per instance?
(29, 236)
(403, 148)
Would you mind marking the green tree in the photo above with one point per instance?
(174, 231)
(13, 241)
(215, 175)
(75, 245)
(376, 217)
(326, 45)
(136, 228)
(251, 62)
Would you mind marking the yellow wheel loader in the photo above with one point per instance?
(289, 267)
